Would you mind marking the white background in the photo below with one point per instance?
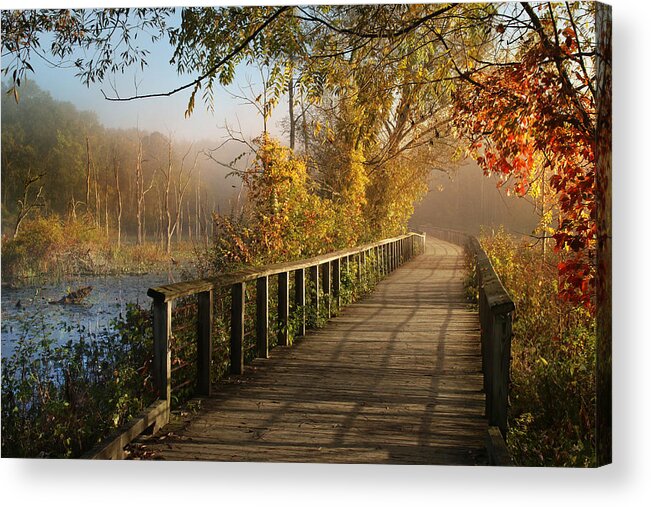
(626, 482)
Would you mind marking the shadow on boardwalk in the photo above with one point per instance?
(395, 378)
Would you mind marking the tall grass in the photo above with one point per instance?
(552, 412)
(53, 247)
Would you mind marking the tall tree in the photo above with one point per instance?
(141, 191)
(118, 194)
(535, 113)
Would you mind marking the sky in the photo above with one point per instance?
(165, 114)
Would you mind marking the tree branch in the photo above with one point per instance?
(210, 71)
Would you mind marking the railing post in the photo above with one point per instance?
(396, 255)
(360, 263)
(299, 298)
(262, 316)
(346, 269)
(501, 355)
(314, 278)
(387, 259)
(385, 251)
(336, 283)
(326, 285)
(380, 262)
(162, 354)
(283, 308)
(237, 328)
(204, 344)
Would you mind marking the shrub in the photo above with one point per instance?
(34, 247)
(51, 245)
(552, 413)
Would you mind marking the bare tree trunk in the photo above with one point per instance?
(116, 172)
(197, 207)
(180, 187)
(87, 173)
(140, 196)
(188, 215)
(106, 212)
(205, 220)
(141, 192)
(73, 206)
(97, 200)
(305, 133)
(26, 205)
(166, 200)
(159, 225)
(179, 228)
(292, 121)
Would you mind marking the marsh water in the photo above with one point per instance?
(27, 309)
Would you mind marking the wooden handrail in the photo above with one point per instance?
(496, 319)
(181, 289)
(324, 273)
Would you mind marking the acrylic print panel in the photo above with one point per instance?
(332, 234)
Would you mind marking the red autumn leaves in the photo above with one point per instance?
(525, 122)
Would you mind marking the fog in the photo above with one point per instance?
(464, 199)
(162, 114)
(467, 200)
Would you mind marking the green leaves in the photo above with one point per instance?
(109, 35)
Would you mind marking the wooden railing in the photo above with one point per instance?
(323, 273)
(496, 318)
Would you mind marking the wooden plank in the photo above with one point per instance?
(155, 416)
(498, 453)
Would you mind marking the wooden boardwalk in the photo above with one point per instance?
(395, 378)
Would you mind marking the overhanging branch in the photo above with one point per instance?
(210, 71)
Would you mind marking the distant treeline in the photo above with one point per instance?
(57, 160)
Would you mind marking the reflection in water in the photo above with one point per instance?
(106, 302)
